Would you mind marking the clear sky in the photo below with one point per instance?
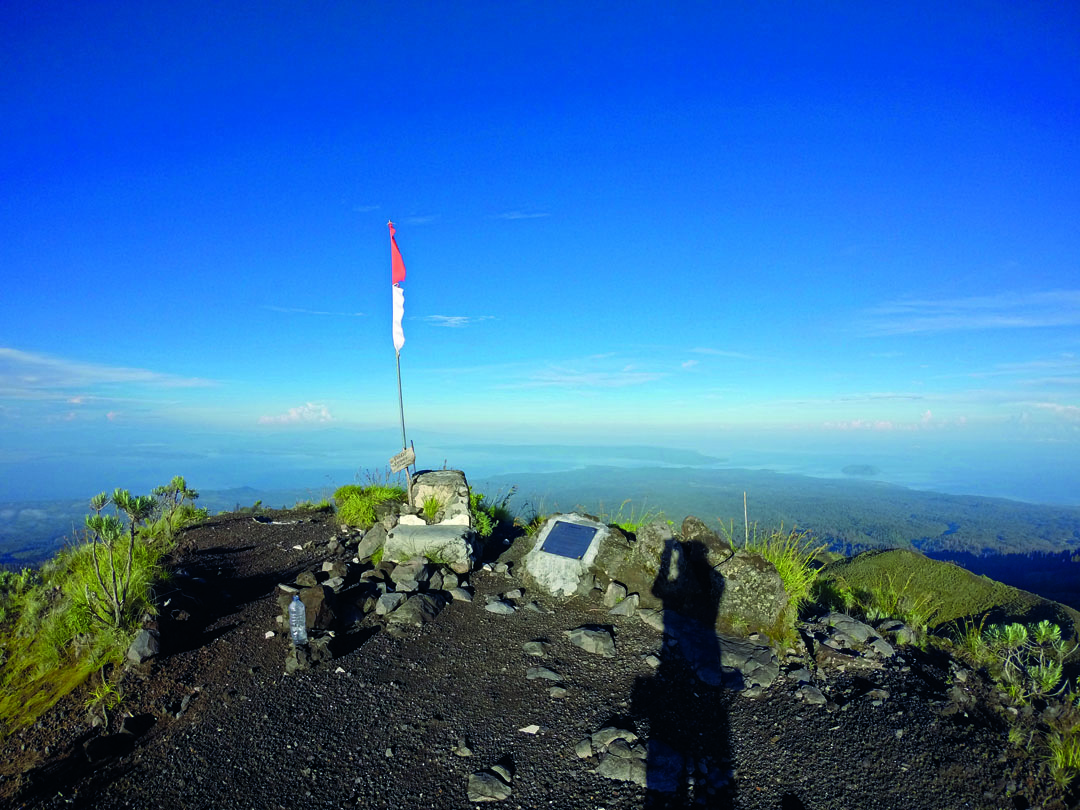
(830, 225)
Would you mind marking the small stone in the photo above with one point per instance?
(615, 593)
(653, 661)
(530, 729)
(462, 748)
(388, 603)
(543, 673)
(595, 640)
(461, 595)
(811, 694)
(626, 607)
(882, 648)
(558, 692)
(517, 593)
(537, 648)
(146, 645)
(500, 608)
(584, 749)
(604, 737)
(486, 786)
(269, 634)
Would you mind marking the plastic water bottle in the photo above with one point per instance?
(297, 621)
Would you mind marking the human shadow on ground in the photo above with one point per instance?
(683, 717)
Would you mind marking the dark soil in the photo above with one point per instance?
(214, 722)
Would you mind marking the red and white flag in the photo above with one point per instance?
(397, 275)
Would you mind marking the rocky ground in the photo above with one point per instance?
(469, 706)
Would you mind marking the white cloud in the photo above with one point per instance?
(511, 215)
(1071, 412)
(302, 311)
(1001, 311)
(566, 378)
(456, 321)
(722, 353)
(26, 375)
(308, 413)
(690, 363)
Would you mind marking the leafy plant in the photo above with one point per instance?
(431, 508)
(1028, 660)
(108, 602)
(104, 698)
(1063, 754)
(487, 517)
(793, 554)
(77, 614)
(881, 598)
(356, 504)
(312, 506)
(632, 520)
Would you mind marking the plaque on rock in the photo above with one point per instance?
(568, 539)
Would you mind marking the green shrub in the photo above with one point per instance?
(1026, 660)
(356, 504)
(630, 521)
(879, 597)
(431, 508)
(1064, 756)
(78, 614)
(487, 517)
(794, 556)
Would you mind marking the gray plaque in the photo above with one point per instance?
(569, 539)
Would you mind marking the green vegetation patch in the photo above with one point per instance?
(948, 593)
(356, 504)
(79, 613)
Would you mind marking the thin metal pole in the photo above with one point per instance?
(401, 409)
(401, 404)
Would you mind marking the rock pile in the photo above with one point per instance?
(693, 591)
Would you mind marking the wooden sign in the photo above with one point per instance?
(402, 460)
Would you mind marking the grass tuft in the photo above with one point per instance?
(78, 614)
(356, 504)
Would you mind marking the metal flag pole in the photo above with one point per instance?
(397, 274)
(401, 410)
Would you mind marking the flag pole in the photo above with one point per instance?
(401, 410)
(397, 275)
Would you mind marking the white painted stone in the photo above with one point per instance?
(558, 575)
(450, 545)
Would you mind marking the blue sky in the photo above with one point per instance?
(791, 225)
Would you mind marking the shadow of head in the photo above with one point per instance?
(686, 581)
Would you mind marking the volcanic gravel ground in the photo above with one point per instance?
(378, 726)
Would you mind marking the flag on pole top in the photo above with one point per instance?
(397, 265)
(397, 275)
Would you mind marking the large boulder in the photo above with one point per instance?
(746, 589)
(752, 598)
(655, 566)
(451, 545)
(548, 568)
(450, 489)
